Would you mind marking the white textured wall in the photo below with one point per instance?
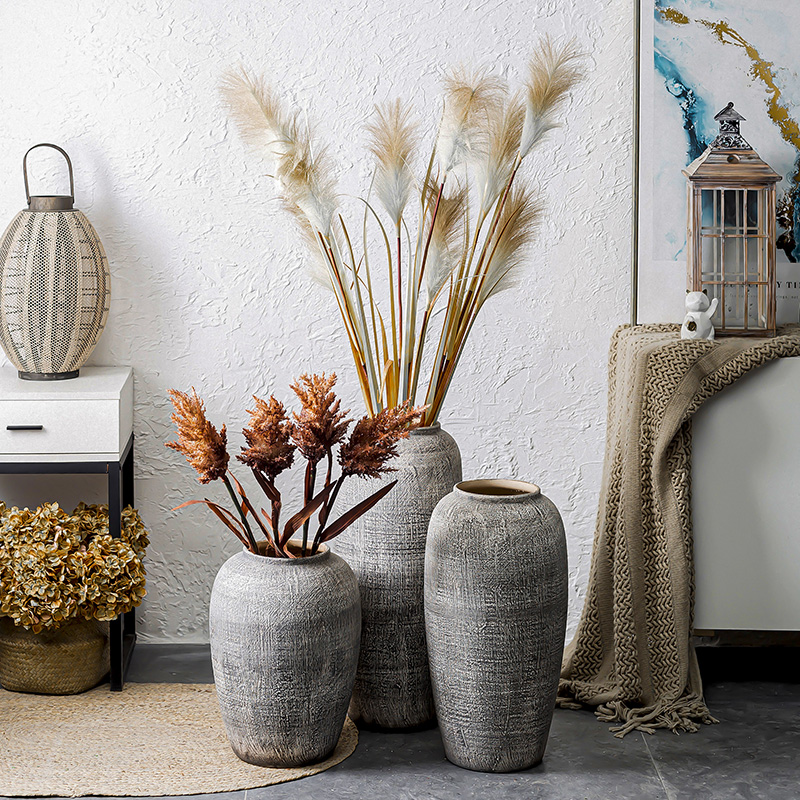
(207, 280)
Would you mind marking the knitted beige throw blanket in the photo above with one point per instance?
(632, 656)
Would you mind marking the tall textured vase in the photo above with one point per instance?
(495, 614)
(284, 646)
(386, 549)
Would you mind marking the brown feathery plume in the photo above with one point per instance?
(470, 97)
(205, 448)
(320, 425)
(448, 228)
(553, 71)
(373, 440)
(270, 449)
(519, 221)
(303, 170)
(393, 138)
(505, 134)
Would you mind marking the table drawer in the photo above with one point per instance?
(59, 426)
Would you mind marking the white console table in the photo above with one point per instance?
(746, 503)
(78, 426)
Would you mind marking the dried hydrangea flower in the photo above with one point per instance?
(373, 440)
(269, 438)
(55, 566)
(321, 424)
(205, 448)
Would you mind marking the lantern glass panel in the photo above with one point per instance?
(711, 258)
(715, 290)
(709, 199)
(756, 258)
(735, 306)
(757, 305)
(740, 214)
(733, 258)
(734, 255)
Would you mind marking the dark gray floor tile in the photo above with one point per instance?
(583, 761)
(753, 754)
(168, 663)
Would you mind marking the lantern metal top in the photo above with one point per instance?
(729, 137)
(729, 159)
(49, 202)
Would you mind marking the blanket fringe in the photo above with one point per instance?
(684, 715)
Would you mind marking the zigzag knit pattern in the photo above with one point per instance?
(632, 658)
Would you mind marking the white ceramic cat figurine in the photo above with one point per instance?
(697, 322)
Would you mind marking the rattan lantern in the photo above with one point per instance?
(54, 285)
(732, 230)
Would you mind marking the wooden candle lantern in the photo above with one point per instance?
(732, 231)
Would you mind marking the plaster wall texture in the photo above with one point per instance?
(208, 280)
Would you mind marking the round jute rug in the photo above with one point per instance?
(151, 739)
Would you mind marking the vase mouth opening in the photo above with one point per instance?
(498, 489)
(294, 546)
(426, 430)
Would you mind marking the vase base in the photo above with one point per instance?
(377, 728)
(278, 762)
(474, 766)
(48, 376)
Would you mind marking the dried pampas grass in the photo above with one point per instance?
(552, 73)
(470, 100)
(305, 176)
(474, 215)
(393, 140)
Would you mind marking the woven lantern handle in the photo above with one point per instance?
(25, 169)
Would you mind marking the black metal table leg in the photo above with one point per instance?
(116, 676)
(129, 621)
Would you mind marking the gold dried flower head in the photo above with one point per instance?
(205, 448)
(320, 425)
(269, 446)
(373, 440)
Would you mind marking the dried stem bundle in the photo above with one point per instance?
(474, 216)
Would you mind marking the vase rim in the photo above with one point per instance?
(320, 555)
(426, 430)
(497, 490)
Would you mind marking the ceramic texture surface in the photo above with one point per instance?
(284, 648)
(386, 549)
(495, 613)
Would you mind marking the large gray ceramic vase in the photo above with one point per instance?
(284, 647)
(495, 614)
(386, 549)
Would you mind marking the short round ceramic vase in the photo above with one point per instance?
(284, 646)
(495, 614)
(386, 549)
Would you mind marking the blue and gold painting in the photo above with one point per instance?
(705, 54)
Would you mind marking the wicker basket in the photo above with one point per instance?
(68, 660)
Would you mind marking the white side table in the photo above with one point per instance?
(78, 426)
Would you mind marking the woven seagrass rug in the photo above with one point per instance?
(150, 739)
(632, 658)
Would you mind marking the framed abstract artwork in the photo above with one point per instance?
(694, 57)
